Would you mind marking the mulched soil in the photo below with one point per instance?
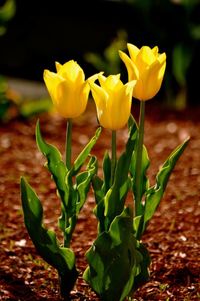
(172, 237)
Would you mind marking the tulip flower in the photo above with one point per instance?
(113, 101)
(146, 66)
(68, 89)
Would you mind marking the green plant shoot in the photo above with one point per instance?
(72, 187)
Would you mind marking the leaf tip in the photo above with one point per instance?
(22, 182)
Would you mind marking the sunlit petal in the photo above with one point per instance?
(58, 66)
(68, 89)
(133, 51)
(147, 66)
(133, 72)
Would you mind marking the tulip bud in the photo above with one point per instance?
(113, 101)
(68, 89)
(146, 66)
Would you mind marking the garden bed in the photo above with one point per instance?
(172, 237)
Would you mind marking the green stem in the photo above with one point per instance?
(68, 143)
(114, 156)
(68, 151)
(138, 196)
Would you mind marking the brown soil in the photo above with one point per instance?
(173, 235)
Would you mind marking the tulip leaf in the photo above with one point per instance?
(132, 123)
(80, 160)
(61, 220)
(115, 197)
(138, 222)
(45, 241)
(55, 165)
(143, 178)
(144, 167)
(143, 275)
(100, 189)
(106, 172)
(110, 199)
(97, 184)
(48, 150)
(155, 193)
(72, 196)
(77, 198)
(114, 260)
(83, 182)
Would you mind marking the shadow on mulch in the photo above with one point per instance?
(16, 288)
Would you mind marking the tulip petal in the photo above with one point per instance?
(80, 78)
(112, 83)
(153, 80)
(51, 80)
(133, 51)
(99, 94)
(58, 66)
(155, 51)
(120, 106)
(102, 80)
(94, 77)
(100, 97)
(138, 91)
(130, 86)
(84, 93)
(63, 95)
(71, 70)
(71, 102)
(162, 71)
(133, 72)
(162, 57)
(144, 59)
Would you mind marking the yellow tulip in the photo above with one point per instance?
(113, 101)
(68, 89)
(146, 66)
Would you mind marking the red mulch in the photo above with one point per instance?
(173, 235)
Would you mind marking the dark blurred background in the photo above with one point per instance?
(38, 33)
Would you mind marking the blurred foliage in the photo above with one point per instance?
(4, 103)
(7, 11)
(31, 107)
(110, 61)
(13, 105)
(173, 25)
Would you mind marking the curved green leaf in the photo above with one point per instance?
(101, 187)
(138, 222)
(97, 184)
(132, 123)
(154, 194)
(144, 180)
(114, 260)
(115, 197)
(80, 160)
(83, 182)
(106, 172)
(48, 247)
(143, 275)
(55, 165)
